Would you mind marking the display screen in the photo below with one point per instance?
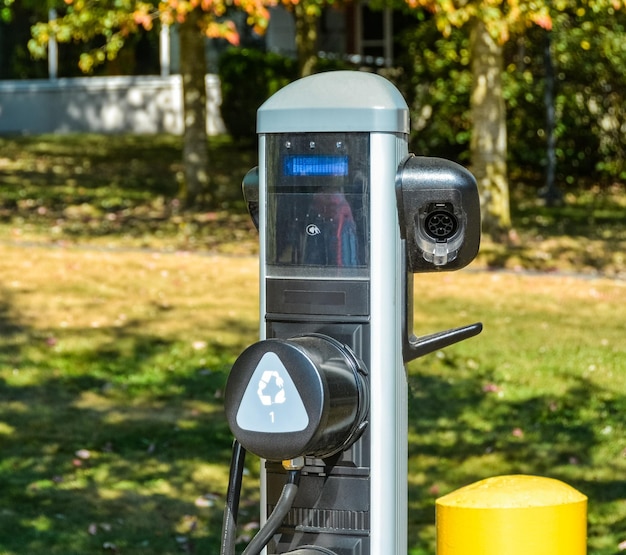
(317, 205)
(315, 165)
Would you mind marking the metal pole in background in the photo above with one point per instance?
(53, 50)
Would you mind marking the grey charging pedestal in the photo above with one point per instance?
(345, 216)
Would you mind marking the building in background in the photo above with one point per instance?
(140, 90)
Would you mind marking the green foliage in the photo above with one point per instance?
(106, 23)
(590, 61)
(16, 60)
(590, 58)
(24, 58)
(524, 96)
(436, 84)
(248, 77)
(590, 54)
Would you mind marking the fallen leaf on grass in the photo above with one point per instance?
(491, 388)
(93, 528)
(83, 454)
(207, 500)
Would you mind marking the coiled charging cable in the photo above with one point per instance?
(273, 522)
(275, 519)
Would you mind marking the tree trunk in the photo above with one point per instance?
(195, 187)
(306, 37)
(488, 145)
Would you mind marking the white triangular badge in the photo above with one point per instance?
(271, 402)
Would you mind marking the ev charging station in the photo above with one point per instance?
(346, 216)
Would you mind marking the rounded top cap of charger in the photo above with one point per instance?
(335, 101)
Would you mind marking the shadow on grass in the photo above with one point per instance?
(463, 431)
(121, 446)
(124, 190)
(120, 443)
(584, 234)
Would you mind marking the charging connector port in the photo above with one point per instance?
(440, 222)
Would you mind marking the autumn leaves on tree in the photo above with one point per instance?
(491, 23)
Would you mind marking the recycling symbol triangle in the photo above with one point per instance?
(271, 402)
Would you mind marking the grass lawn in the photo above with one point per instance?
(119, 191)
(111, 374)
(541, 391)
(113, 357)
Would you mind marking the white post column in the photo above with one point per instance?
(164, 50)
(53, 50)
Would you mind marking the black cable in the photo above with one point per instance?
(283, 506)
(229, 526)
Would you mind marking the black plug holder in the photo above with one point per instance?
(439, 213)
(304, 396)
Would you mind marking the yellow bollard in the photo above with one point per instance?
(512, 515)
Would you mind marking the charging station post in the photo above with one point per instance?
(345, 216)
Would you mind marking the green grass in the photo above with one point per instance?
(113, 358)
(585, 235)
(119, 192)
(111, 375)
(541, 391)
